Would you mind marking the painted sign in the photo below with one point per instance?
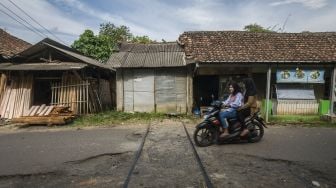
(300, 76)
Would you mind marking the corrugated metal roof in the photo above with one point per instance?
(42, 66)
(148, 55)
(48, 43)
(85, 59)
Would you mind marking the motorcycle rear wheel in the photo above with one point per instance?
(204, 136)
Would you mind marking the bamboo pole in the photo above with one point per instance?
(87, 96)
(52, 93)
(80, 98)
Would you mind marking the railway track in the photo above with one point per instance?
(200, 167)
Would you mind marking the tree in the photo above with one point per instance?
(101, 46)
(115, 34)
(257, 28)
(142, 39)
(97, 47)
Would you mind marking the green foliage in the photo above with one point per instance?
(116, 117)
(142, 39)
(304, 120)
(101, 46)
(257, 28)
(115, 34)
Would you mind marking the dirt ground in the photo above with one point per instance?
(167, 160)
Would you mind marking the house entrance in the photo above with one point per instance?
(205, 90)
(42, 92)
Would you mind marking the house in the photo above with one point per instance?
(299, 65)
(50, 74)
(152, 78)
(210, 59)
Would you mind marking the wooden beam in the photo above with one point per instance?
(268, 89)
(332, 91)
(120, 90)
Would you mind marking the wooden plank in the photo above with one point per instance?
(45, 109)
(4, 102)
(41, 109)
(19, 98)
(29, 111)
(23, 97)
(10, 108)
(33, 112)
(49, 110)
(52, 93)
(44, 120)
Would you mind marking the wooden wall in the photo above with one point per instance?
(16, 97)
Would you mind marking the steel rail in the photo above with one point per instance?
(137, 156)
(198, 159)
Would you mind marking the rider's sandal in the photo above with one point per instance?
(223, 135)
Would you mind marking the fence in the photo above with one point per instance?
(296, 107)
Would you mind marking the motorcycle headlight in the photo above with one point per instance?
(205, 116)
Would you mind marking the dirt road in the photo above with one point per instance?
(286, 157)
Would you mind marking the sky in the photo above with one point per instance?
(162, 19)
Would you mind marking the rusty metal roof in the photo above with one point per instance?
(42, 66)
(148, 55)
(69, 54)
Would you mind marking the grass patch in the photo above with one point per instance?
(304, 120)
(116, 118)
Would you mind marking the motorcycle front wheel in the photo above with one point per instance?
(204, 136)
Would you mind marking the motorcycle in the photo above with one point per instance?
(208, 131)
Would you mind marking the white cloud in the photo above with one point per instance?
(168, 19)
(104, 16)
(313, 4)
(46, 14)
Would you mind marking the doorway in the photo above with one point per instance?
(205, 90)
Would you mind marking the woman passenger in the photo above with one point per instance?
(231, 104)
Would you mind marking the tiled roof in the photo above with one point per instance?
(10, 45)
(148, 55)
(242, 46)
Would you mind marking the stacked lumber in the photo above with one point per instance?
(42, 110)
(76, 93)
(47, 115)
(16, 97)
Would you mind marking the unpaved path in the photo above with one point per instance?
(286, 157)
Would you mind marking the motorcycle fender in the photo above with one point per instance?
(203, 124)
(261, 121)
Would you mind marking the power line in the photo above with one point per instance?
(44, 35)
(21, 23)
(35, 21)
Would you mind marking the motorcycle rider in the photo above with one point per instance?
(231, 104)
(250, 103)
